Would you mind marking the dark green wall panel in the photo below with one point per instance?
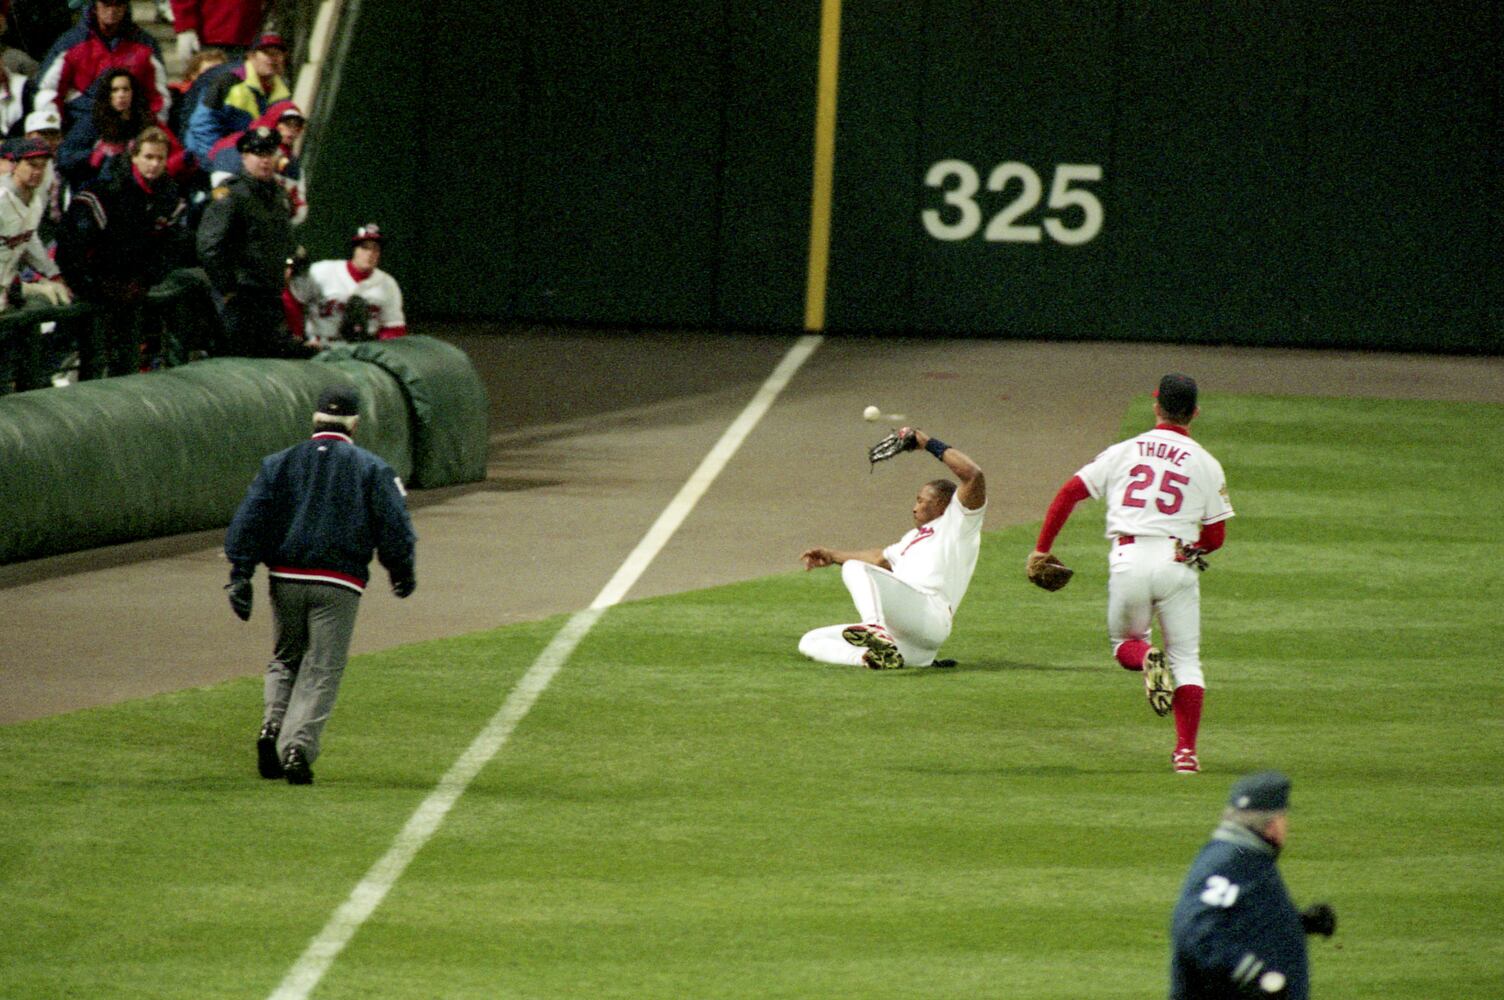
(771, 71)
(468, 158)
(1210, 233)
(619, 198)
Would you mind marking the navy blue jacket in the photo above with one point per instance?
(316, 511)
(1235, 932)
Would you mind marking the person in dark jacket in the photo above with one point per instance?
(244, 242)
(122, 234)
(1235, 932)
(314, 515)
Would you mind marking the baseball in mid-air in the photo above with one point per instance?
(871, 413)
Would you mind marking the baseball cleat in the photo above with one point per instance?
(1185, 762)
(295, 766)
(266, 751)
(1158, 684)
(882, 652)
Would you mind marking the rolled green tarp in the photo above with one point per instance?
(448, 401)
(172, 451)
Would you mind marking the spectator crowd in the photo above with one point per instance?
(117, 181)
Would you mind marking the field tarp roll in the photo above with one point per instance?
(448, 400)
(141, 456)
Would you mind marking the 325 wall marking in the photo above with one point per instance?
(1073, 213)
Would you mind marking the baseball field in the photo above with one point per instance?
(660, 798)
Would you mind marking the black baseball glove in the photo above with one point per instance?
(299, 263)
(356, 324)
(900, 440)
(1193, 556)
(241, 594)
(1319, 918)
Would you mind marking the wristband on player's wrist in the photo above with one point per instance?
(936, 447)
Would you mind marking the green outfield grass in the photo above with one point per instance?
(692, 810)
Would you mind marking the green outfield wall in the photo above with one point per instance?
(1295, 173)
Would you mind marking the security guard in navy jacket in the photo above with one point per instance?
(1235, 932)
(314, 514)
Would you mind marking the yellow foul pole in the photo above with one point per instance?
(824, 173)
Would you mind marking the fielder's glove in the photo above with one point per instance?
(404, 583)
(299, 263)
(1047, 572)
(1193, 556)
(900, 440)
(1319, 918)
(241, 593)
(356, 324)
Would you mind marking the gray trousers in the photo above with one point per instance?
(314, 623)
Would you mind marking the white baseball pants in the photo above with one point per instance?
(918, 621)
(1145, 581)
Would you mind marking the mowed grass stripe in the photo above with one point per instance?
(694, 810)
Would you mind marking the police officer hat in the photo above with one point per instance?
(1177, 394)
(1266, 791)
(339, 401)
(261, 140)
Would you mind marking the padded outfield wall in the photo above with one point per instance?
(1318, 173)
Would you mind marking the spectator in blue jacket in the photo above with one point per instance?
(314, 515)
(238, 94)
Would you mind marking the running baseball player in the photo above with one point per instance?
(1167, 507)
(906, 595)
(341, 300)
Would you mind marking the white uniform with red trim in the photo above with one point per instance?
(1159, 486)
(325, 290)
(917, 599)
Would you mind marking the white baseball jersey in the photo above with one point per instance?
(19, 243)
(1159, 484)
(940, 557)
(326, 288)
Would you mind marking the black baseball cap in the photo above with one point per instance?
(260, 140)
(339, 401)
(1177, 393)
(24, 149)
(1268, 791)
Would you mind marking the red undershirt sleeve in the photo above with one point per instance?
(1072, 493)
(1212, 536)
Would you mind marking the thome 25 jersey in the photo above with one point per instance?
(1161, 483)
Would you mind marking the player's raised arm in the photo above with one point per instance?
(972, 491)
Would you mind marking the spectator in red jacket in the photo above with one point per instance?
(231, 25)
(105, 38)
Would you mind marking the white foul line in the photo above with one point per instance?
(321, 952)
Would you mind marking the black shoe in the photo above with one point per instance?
(266, 751)
(944, 664)
(295, 767)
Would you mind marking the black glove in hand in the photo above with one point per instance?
(1319, 918)
(403, 586)
(241, 593)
